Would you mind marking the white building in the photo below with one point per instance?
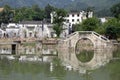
(2, 33)
(28, 29)
(75, 17)
(38, 29)
(103, 20)
(12, 30)
(78, 17)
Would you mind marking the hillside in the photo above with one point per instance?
(99, 5)
(58, 3)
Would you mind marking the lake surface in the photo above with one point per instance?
(36, 62)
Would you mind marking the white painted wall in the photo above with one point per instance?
(22, 30)
(1, 33)
(78, 17)
(37, 28)
(12, 24)
(103, 20)
(12, 30)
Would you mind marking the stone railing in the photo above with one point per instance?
(100, 37)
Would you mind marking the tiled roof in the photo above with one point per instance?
(46, 21)
(30, 22)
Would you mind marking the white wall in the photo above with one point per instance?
(12, 24)
(77, 19)
(1, 33)
(37, 28)
(12, 32)
(103, 20)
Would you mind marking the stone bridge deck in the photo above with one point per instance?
(98, 40)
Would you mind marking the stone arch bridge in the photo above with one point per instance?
(102, 50)
(98, 40)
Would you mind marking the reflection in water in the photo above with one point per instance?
(46, 63)
(84, 50)
(5, 49)
(85, 56)
(69, 58)
(79, 61)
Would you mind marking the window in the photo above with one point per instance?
(72, 20)
(77, 19)
(72, 15)
(77, 15)
(67, 15)
(68, 20)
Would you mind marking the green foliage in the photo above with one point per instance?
(100, 5)
(77, 27)
(112, 28)
(111, 32)
(89, 24)
(115, 9)
(59, 16)
(58, 19)
(48, 10)
(32, 13)
(6, 15)
(100, 30)
(58, 29)
(85, 56)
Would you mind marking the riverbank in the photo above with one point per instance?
(29, 40)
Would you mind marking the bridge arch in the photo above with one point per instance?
(84, 47)
(85, 38)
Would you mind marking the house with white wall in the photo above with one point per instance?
(78, 17)
(12, 30)
(37, 29)
(2, 32)
(28, 29)
(75, 17)
(103, 20)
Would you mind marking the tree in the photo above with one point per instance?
(90, 24)
(58, 29)
(59, 16)
(6, 15)
(115, 9)
(48, 10)
(58, 19)
(111, 32)
(32, 13)
(19, 14)
(77, 27)
(112, 28)
(38, 13)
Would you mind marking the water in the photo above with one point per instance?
(47, 63)
(15, 70)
